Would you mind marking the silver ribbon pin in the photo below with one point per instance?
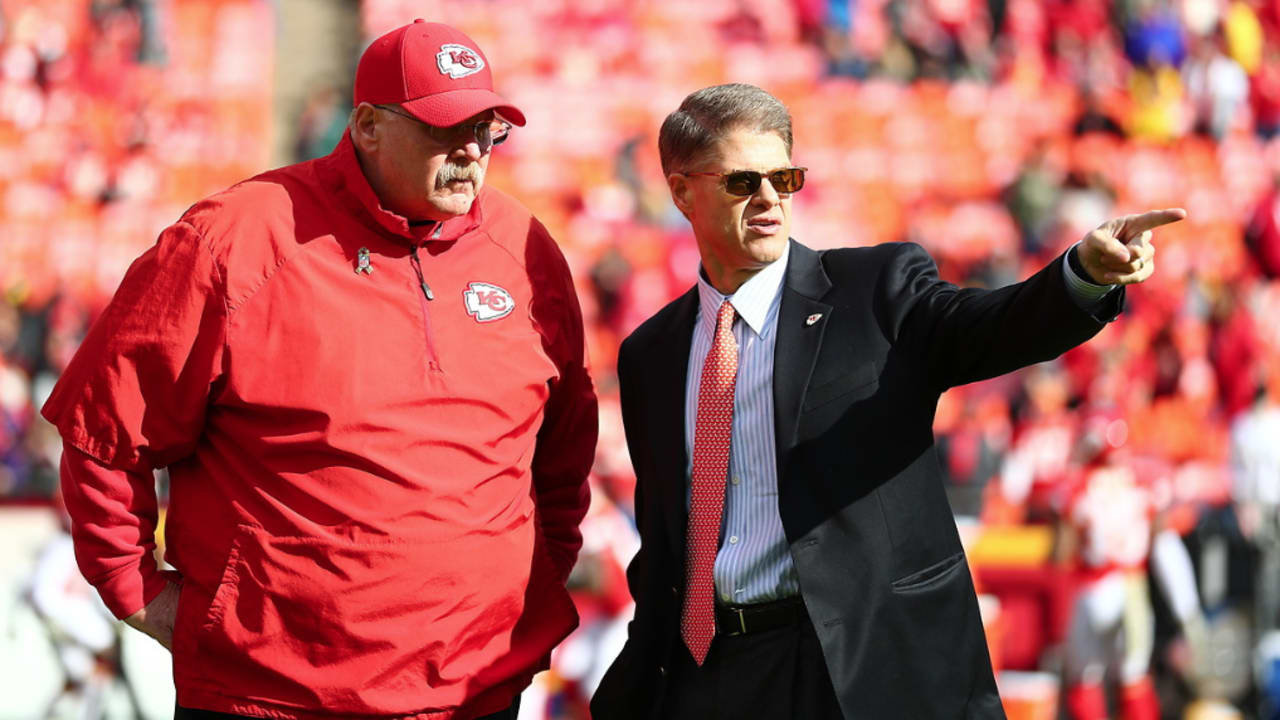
(363, 265)
(812, 319)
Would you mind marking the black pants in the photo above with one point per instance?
(181, 713)
(778, 673)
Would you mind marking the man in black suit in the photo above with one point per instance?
(799, 558)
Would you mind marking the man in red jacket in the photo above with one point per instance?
(366, 376)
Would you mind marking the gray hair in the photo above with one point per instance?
(710, 113)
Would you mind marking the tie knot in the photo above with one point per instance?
(724, 318)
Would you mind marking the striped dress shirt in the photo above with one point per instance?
(754, 561)
(753, 564)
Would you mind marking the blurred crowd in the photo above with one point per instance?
(115, 115)
(994, 132)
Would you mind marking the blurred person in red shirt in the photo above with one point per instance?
(1235, 350)
(366, 375)
(1044, 441)
(1263, 231)
(1264, 93)
(1111, 530)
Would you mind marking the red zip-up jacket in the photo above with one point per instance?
(378, 437)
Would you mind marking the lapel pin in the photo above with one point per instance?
(363, 264)
(812, 319)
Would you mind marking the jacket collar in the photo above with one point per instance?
(805, 274)
(342, 169)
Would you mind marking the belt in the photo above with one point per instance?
(747, 619)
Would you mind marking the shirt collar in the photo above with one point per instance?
(753, 299)
(342, 167)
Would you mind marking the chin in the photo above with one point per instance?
(454, 204)
(766, 249)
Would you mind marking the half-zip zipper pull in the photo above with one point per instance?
(433, 361)
(417, 268)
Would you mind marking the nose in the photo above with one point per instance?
(470, 150)
(766, 196)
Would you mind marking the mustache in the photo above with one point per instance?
(452, 171)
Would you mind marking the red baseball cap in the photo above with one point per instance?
(433, 71)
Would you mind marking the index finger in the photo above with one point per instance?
(1138, 224)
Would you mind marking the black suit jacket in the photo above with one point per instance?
(881, 570)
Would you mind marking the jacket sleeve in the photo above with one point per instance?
(627, 689)
(962, 335)
(566, 442)
(639, 575)
(113, 525)
(133, 399)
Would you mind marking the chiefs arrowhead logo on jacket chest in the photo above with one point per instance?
(487, 302)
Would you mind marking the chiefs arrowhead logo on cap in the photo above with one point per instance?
(458, 61)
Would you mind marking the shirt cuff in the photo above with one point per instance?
(128, 590)
(1086, 294)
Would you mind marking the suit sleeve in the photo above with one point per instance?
(133, 399)
(626, 689)
(567, 439)
(638, 571)
(961, 335)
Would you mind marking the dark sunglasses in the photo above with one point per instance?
(747, 182)
(487, 133)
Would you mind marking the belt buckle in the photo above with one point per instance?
(741, 615)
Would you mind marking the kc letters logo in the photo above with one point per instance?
(458, 61)
(486, 302)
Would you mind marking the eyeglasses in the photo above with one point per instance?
(486, 133)
(746, 182)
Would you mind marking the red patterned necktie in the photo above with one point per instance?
(710, 470)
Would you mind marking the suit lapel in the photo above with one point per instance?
(802, 322)
(668, 370)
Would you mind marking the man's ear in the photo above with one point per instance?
(364, 128)
(681, 192)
